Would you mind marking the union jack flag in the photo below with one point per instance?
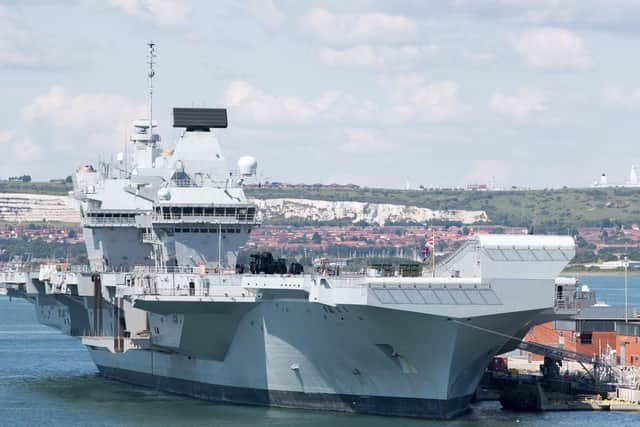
(428, 247)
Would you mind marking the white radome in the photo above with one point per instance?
(164, 194)
(247, 165)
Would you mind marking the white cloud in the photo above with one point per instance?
(6, 136)
(352, 29)
(64, 109)
(371, 56)
(477, 57)
(554, 48)
(26, 151)
(18, 46)
(621, 97)
(413, 98)
(104, 119)
(615, 16)
(521, 105)
(267, 13)
(254, 105)
(19, 153)
(163, 13)
(359, 140)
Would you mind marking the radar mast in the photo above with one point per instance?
(151, 57)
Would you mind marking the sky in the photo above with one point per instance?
(439, 93)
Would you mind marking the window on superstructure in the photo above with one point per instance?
(176, 212)
(198, 211)
(230, 212)
(187, 211)
(586, 338)
(208, 211)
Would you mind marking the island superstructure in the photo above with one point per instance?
(165, 303)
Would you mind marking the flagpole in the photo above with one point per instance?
(433, 253)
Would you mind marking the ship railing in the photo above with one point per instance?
(64, 268)
(567, 305)
(102, 221)
(188, 269)
(208, 181)
(199, 291)
(204, 286)
(184, 183)
(227, 219)
(150, 238)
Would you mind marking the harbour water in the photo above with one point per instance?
(47, 378)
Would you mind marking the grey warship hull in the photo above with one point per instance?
(301, 355)
(376, 405)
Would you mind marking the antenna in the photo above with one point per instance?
(151, 57)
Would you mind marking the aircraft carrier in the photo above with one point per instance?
(164, 302)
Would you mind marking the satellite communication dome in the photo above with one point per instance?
(247, 165)
(164, 194)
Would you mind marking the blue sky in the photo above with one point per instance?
(540, 93)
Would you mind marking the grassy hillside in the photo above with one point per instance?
(545, 210)
(34, 187)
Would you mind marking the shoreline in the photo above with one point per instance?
(569, 273)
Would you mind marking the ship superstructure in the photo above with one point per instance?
(166, 304)
(169, 207)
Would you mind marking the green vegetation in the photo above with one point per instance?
(76, 252)
(545, 211)
(53, 188)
